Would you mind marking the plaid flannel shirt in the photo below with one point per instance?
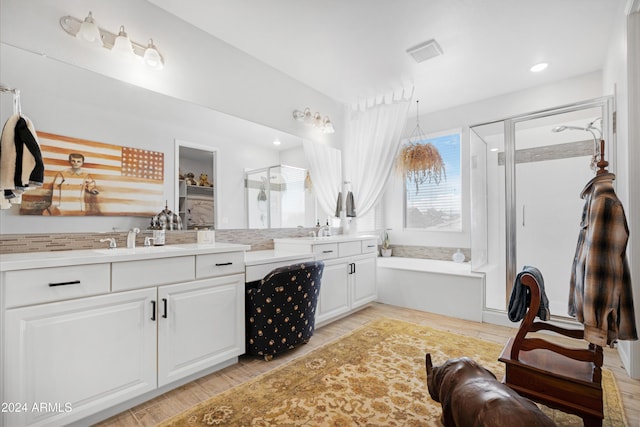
(600, 288)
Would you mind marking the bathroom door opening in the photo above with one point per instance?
(527, 176)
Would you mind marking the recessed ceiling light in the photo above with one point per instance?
(539, 67)
(276, 142)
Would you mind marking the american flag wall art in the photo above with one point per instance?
(85, 177)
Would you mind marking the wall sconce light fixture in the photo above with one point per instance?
(89, 31)
(324, 125)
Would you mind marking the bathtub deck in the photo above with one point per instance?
(441, 287)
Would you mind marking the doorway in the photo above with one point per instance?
(197, 185)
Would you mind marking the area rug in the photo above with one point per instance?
(373, 376)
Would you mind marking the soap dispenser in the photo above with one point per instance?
(458, 256)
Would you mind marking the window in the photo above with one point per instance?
(437, 207)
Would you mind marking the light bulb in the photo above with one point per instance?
(152, 57)
(89, 31)
(307, 116)
(122, 44)
(327, 126)
(317, 120)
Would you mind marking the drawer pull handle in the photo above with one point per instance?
(220, 264)
(164, 302)
(153, 310)
(327, 252)
(371, 246)
(73, 282)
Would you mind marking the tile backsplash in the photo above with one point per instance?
(257, 239)
(18, 243)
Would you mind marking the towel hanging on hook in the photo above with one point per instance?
(21, 162)
(350, 205)
(17, 107)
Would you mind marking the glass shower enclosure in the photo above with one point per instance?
(527, 173)
(276, 197)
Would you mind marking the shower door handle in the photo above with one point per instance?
(523, 215)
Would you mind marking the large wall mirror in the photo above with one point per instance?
(279, 196)
(68, 100)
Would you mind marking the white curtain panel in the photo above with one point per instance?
(325, 168)
(372, 143)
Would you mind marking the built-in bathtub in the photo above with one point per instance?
(435, 286)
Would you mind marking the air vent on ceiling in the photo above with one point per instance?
(426, 50)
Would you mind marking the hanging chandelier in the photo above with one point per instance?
(420, 161)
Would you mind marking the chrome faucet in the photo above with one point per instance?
(131, 237)
(325, 231)
(112, 242)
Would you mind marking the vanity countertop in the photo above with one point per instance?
(270, 256)
(29, 260)
(328, 239)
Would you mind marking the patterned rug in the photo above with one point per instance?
(373, 376)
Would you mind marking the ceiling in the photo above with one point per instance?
(351, 50)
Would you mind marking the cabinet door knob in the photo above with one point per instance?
(164, 303)
(153, 310)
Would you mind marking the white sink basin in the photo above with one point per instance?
(139, 250)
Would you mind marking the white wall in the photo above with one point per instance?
(580, 88)
(621, 76)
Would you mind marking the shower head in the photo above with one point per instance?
(590, 128)
(564, 127)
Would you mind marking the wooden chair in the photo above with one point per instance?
(567, 379)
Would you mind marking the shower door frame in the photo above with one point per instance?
(606, 103)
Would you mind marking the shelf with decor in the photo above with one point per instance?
(196, 206)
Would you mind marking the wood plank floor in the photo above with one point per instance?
(156, 410)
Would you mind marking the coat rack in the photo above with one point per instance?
(602, 163)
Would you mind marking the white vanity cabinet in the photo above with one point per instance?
(200, 324)
(81, 340)
(348, 281)
(362, 275)
(78, 356)
(334, 300)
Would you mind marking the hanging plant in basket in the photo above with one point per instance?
(420, 162)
